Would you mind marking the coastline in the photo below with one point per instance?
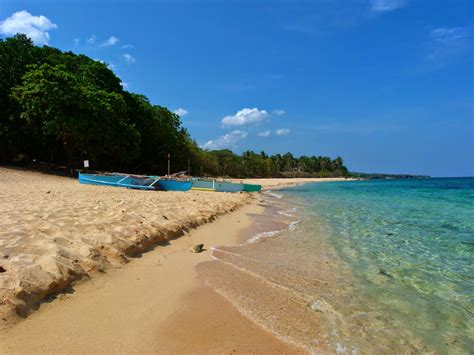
(281, 183)
(272, 218)
(140, 316)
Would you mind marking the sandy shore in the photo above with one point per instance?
(57, 232)
(268, 184)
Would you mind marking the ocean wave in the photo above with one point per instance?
(213, 249)
(288, 212)
(261, 236)
(293, 224)
(273, 194)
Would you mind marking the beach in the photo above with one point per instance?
(316, 268)
(241, 185)
(75, 255)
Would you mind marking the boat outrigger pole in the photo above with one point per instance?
(169, 156)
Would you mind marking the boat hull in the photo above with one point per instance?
(228, 187)
(252, 188)
(135, 182)
(120, 180)
(174, 185)
(203, 185)
(212, 185)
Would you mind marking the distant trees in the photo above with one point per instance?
(61, 107)
(251, 164)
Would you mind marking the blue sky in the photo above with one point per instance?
(386, 84)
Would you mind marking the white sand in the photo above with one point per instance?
(269, 184)
(55, 231)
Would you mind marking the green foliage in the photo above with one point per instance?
(85, 119)
(251, 164)
(15, 55)
(64, 108)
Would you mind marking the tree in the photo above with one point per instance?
(288, 162)
(16, 54)
(89, 122)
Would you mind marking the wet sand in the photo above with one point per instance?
(207, 323)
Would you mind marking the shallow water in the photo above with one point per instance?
(373, 267)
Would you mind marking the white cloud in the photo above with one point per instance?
(91, 39)
(124, 84)
(181, 112)
(244, 117)
(125, 46)
(111, 66)
(112, 41)
(129, 59)
(278, 112)
(282, 131)
(35, 27)
(228, 140)
(76, 41)
(264, 134)
(386, 5)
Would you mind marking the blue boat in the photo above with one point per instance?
(219, 186)
(175, 185)
(135, 182)
(203, 185)
(120, 180)
(228, 186)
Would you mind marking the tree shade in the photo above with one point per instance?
(61, 107)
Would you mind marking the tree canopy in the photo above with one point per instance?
(62, 108)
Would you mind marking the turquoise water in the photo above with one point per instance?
(358, 267)
(410, 247)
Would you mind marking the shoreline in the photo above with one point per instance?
(42, 327)
(277, 217)
(281, 183)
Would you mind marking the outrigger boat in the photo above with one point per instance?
(228, 186)
(223, 186)
(214, 185)
(142, 182)
(252, 188)
(175, 185)
(203, 185)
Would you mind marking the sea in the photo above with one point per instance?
(358, 267)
